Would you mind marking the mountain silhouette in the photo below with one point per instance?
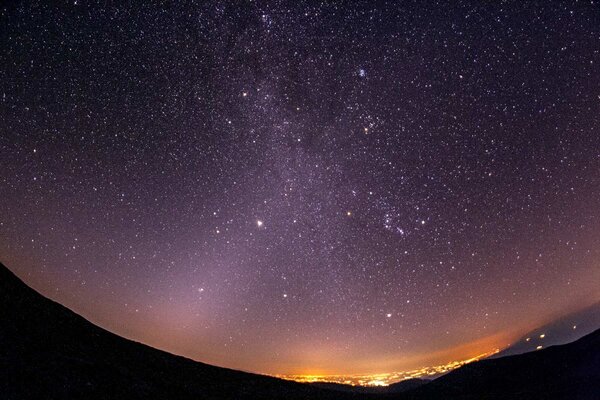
(569, 371)
(398, 387)
(565, 329)
(49, 352)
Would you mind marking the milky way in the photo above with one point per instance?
(303, 187)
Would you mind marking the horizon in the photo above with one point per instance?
(586, 320)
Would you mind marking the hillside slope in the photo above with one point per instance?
(49, 352)
(569, 371)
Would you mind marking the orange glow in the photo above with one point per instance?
(385, 379)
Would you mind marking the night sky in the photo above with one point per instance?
(304, 187)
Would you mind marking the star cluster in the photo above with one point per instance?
(304, 187)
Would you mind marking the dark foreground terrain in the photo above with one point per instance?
(49, 352)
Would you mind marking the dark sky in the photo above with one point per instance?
(304, 187)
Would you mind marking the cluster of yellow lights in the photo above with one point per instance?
(385, 379)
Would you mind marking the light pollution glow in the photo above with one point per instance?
(385, 379)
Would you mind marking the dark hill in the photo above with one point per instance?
(403, 386)
(398, 387)
(49, 352)
(565, 329)
(570, 371)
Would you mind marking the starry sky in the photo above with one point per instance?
(304, 187)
